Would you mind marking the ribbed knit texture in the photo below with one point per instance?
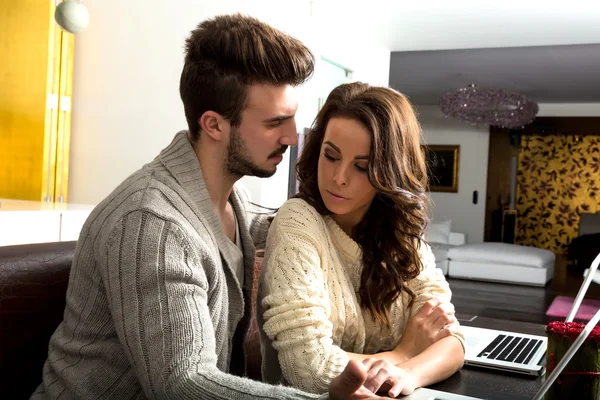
(308, 306)
(153, 308)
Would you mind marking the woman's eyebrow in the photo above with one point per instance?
(333, 146)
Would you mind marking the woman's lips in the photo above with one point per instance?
(336, 197)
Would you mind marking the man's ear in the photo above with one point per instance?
(214, 125)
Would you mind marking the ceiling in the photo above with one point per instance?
(547, 74)
(462, 24)
(547, 49)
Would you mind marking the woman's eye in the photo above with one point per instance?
(361, 168)
(330, 158)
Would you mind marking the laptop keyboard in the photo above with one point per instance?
(511, 348)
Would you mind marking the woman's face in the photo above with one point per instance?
(342, 171)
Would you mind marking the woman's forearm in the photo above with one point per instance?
(436, 363)
(393, 357)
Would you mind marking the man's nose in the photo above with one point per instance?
(290, 135)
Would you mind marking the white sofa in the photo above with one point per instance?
(441, 238)
(441, 250)
(502, 262)
(489, 261)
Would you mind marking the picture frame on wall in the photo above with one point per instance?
(442, 166)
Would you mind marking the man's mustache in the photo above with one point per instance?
(280, 151)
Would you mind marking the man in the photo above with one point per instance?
(159, 294)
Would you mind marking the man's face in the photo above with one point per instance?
(266, 129)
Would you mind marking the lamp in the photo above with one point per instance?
(491, 106)
(72, 16)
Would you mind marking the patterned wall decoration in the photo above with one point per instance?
(558, 177)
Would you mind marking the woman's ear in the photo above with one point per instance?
(214, 125)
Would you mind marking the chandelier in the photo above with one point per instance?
(491, 106)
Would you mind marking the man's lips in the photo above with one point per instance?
(278, 153)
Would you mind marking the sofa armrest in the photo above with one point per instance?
(457, 239)
(33, 285)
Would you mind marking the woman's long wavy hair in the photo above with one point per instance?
(390, 233)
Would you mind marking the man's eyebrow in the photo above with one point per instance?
(279, 118)
(338, 150)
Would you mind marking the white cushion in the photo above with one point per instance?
(502, 253)
(440, 251)
(457, 239)
(438, 232)
(518, 274)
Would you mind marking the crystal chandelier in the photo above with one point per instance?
(491, 106)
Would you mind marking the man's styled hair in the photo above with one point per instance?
(227, 54)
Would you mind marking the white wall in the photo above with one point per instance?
(466, 217)
(126, 105)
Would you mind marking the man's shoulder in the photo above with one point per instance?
(140, 190)
(145, 191)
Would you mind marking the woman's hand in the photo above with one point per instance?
(384, 376)
(349, 385)
(434, 321)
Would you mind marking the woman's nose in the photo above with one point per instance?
(341, 176)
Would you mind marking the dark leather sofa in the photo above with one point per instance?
(33, 286)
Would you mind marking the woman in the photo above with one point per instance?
(346, 274)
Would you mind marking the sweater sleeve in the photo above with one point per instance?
(431, 284)
(157, 292)
(295, 300)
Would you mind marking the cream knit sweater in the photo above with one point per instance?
(308, 308)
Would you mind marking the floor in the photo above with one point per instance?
(516, 302)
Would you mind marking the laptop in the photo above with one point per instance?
(505, 351)
(482, 335)
(516, 352)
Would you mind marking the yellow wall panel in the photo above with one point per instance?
(558, 178)
(24, 46)
(35, 97)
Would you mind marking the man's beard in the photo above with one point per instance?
(238, 161)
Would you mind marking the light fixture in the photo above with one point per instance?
(72, 16)
(491, 106)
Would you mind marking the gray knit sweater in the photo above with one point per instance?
(154, 309)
